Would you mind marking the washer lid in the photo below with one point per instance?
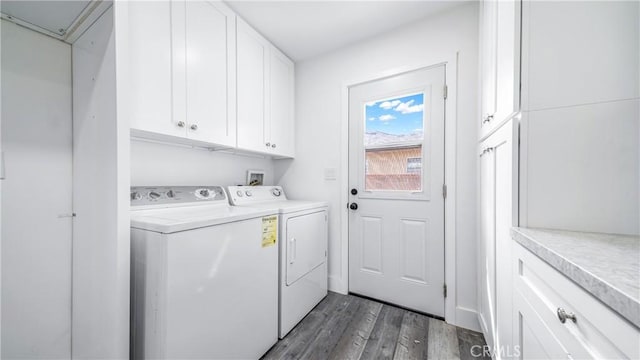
(171, 220)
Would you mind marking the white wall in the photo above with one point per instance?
(580, 134)
(164, 164)
(36, 242)
(101, 246)
(319, 86)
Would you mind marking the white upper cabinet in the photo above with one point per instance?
(150, 61)
(500, 63)
(210, 62)
(281, 130)
(265, 95)
(252, 67)
(182, 66)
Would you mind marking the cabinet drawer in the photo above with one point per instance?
(598, 331)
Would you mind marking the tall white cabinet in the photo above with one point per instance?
(182, 62)
(265, 95)
(498, 166)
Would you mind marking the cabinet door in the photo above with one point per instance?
(504, 164)
(252, 67)
(534, 339)
(210, 95)
(281, 120)
(500, 63)
(488, 60)
(151, 57)
(498, 214)
(487, 243)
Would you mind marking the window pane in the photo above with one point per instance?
(393, 143)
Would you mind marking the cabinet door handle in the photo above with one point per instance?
(273, 146)
(194, 127)
(181, 124)
(487, 119)
(268, 144)
(487, 150)
(563, 315)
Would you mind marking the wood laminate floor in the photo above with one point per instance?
(352, 327)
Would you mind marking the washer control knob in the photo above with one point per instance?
(204, 193)
(239, 193)
(171, 194)
(276, 192)
(248, 193)
(154, 195)
(136, 196)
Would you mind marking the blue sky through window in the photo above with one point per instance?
(397, 116)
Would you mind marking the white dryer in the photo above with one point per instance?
(204, 275)
(303, 229)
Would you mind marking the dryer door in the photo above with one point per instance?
(306, 242)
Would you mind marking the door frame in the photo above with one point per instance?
(450, 122)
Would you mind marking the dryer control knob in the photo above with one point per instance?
(248, 193)
(239, 193)
(276, 192)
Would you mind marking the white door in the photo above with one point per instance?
(37, 195)
(210, 63)
(396, 177)
(252, 67)
(157, 102)
(280, 129)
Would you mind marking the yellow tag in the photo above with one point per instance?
(269, 230)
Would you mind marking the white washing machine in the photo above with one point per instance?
(303, 229)
(204, 275)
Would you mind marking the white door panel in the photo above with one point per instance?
(151, 48)
(306, 244)
(209, 28)
(396, 165)
(252, 65)
(280, 132)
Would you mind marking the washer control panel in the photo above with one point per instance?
(243, 195)
(167, 195)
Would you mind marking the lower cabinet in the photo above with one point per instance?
(542, 296)
(498, 214)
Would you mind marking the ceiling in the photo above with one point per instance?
(55, 17)
(300, 28)
(303, 29)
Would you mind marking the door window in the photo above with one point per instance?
(393, 139)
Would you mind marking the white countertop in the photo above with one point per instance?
(605, 265)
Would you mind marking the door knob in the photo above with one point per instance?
(353, 206)
(354, 191)
(563, 315)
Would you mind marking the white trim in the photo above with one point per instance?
(341, 284)
(468, 319)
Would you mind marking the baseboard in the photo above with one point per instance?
(338, 285)
(468, 319)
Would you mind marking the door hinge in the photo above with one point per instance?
(444, 290)
(445, 92)
(444, 191)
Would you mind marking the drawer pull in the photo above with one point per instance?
(563, 315)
